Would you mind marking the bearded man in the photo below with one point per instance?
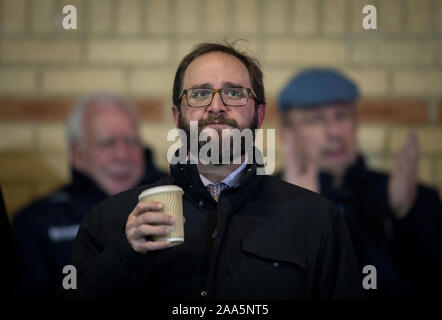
(247, 235)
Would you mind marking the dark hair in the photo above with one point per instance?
(250, 62)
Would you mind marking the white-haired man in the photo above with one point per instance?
(107, 157)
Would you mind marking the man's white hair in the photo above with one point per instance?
(75, 120)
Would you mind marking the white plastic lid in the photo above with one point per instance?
(160, 189)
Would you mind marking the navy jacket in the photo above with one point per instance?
(8, 265)
(45, 231)
(273, 240)
(407, 253)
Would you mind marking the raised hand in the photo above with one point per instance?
(402, 186)
(301, 161)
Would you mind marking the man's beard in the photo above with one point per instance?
(203, 123)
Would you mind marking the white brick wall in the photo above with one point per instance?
(389, 16)
(275, 16)
(128, 51)
(418, 17)
(82, 81)
(43, 18)
(13, 17)
(101, 16)
(400, 58)
(56, 164)
(438, 16)
(305, 52)
(246, 17)
(275, 79)
(17, 136)
(417, 83)
(334, 12)
(40, 51)
(15, 81)
(50, 137)
(305, 17)
(398, 52)
(151, 82)
(371, 81)
(128, 17)
(372, 138)
(438, 52)
(187, 18)
(157, 17)
(215, 17)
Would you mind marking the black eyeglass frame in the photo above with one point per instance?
(250, 93)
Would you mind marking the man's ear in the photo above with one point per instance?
(77, 156)
(356, 115)
(176, 114)
(284, 133)
(261, 109)
(285, 127)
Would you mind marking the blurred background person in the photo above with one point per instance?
(395, 222)
(106, 157)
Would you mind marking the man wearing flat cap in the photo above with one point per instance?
(395, 223)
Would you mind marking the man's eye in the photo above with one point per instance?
(342, 115)
(234, 93)
(315, 119)
(132, 141)
(103, 144)
(200, 94)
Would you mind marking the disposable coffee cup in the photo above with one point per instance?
(171, 197)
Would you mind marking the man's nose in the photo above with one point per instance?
(121, 150)
(333, 127)
(217, 105)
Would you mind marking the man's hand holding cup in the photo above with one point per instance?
(157, 220)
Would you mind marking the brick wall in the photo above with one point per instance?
(132, 47)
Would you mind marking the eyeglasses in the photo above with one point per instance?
(203, 97)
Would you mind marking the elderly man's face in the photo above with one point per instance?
(110, 152)
(332, 130)
(218, 70)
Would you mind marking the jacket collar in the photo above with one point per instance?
(186, 176)
(82, 183)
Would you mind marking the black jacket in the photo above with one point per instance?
(44, 232)
(8, 265)
(273, 241)
(407, 253)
